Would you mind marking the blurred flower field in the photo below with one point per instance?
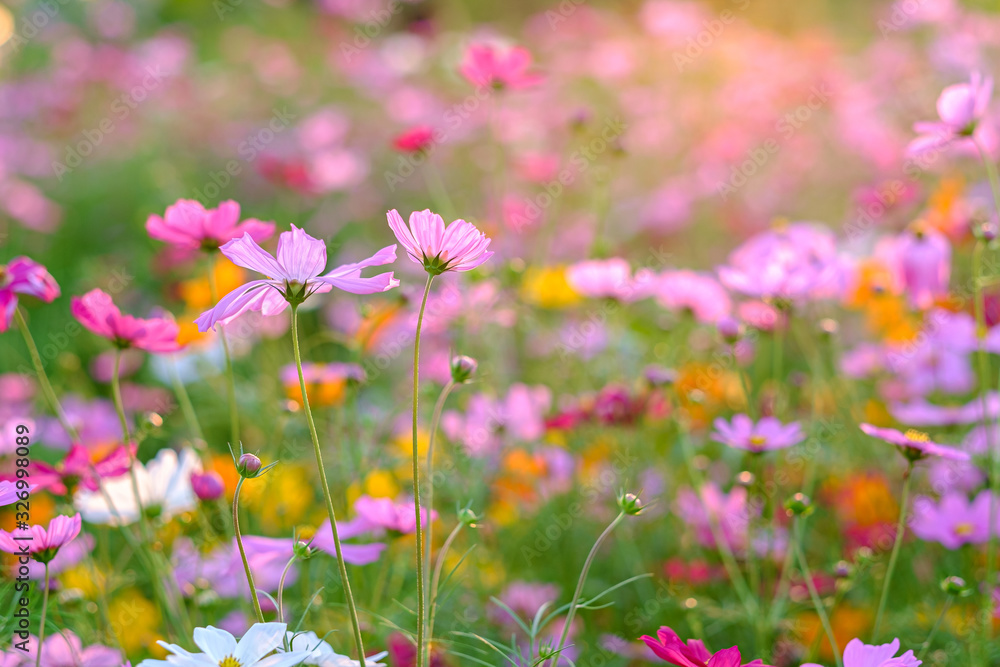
(425, 333)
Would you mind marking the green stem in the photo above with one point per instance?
(352, 608)
(43, 378)
(937, 624)
(900, 530)
(243, 554)
(436, 581)
(281, 588)
(814, 594)
(994, 451)
(579, 585)
(234, 414)
(421, 603)
(45, 608)
(435, 420)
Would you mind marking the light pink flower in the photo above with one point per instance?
(954, 520)
(42, 544)
(387, 514)
(485, 65)
(602, 279)
(96, 311)
(698, 293)
(64, 649)
(188, 224)
(291, 277)
(924, 257)
(960, 108)
(457, 247)
(23, 276)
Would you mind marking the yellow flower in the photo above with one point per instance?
(135, 621)
(377, 484)
(281, 498)
(197, 293)
(547, 287)
(81, 578)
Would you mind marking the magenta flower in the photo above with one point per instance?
(485, 65)
(914, 445)
(355, 554)
(859, 654)
(414, 140)
(96, 311)
(766, 435)
(40, 543)
(457, 247)
(188, 224)
(292, 277)
(922, 413)
(207, 486)
(693, 292)
(23, 276)
(960, 107)
(954, 521)
(64, 649)
(77, 468)
(667, 645)
(386, 514)
(925, 264)
(602, 279)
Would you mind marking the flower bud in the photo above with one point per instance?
(467, 517)
(302, 550)
(463, 368)
(207, 486)
(799, 505)
(843, 569)
(730, 329)
(955, 586)
(630, 504)
(248, 466)
(659, 376)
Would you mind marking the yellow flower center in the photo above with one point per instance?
(229, 662)
(964, 529)
(757, 440)
(917, 436)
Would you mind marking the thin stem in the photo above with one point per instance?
(281, 588)
(436, 581)
(934, 628)
(190, 416)
(817, 602)
(428, 537)
(900, 529)
(43, 378)
(994, 451)
(45, 608)
(352, 608)
(421, 603)
(234, 414)
(753, 567)
(580, 582)
(243, 554)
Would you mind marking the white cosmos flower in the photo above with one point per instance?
(220, 649)
(323, 655)
(164, 488)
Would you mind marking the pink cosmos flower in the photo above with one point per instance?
(486, 65)
(954, 521)
(457, 247)
(859, 654)
(387, 514)
(42, 544)
(914, 445)
(355, 554)
(602, 278)
(766, 435)
(188, 224)
(64, 649)
(8, 492)
(924, 257)
(23, 276)
(415, 139)
(697, 293)
(77, 468)
(292, 277)
(669, 647)
(960, 107)
(96, 311)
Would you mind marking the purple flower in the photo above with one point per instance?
(914, 445)
(23, 276)
(925, 263)
(519, 416)
(766, 435)
(923, 413)
(64, 649)
(188, 224)
(947, 475)
(960, 107)
(602, 279)
(355, 554)
(43, 543)
(859, 654)
(525, 599)
(291, 277)
(954, 520)
(797, 262)
(8, 493)
(458, 247)
(387, 514)
(697, 293)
